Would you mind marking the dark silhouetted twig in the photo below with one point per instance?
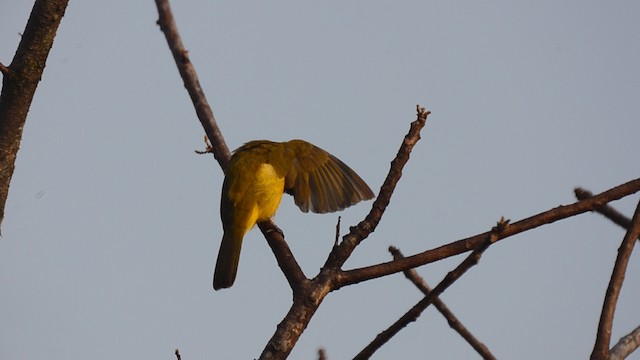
(449, 279)
(453, 321)
(337, 232)
(322, 354)
(607, 210)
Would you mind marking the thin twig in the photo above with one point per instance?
(607, 211)
(449, 279)
(4, 70)
(168, 25)
(453, 321)
(178, 357)
(603, 338)
(322, 354)
(626, 345)
(350, 277)
(208, 149)
(358, 233)
(337, 231)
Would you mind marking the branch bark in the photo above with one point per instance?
(286, 261)
(341, 252)
(607, 210)
(168, 25)
(355, 276)
(415, 312)
(626, 345)
(603, 339)
(452, 320)
(20, 80)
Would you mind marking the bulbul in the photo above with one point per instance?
(257, 175)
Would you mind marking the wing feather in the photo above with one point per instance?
(320, 182)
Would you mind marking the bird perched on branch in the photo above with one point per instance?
(257, 175)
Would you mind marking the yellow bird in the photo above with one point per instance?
(257, 175)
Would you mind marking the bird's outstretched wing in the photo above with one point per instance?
(320, 182)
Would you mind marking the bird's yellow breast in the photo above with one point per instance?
(267, 191)
(254, 193)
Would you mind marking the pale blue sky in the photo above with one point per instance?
(112, 227)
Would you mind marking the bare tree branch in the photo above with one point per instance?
(607, 211)
(453, 321)
(350, 277)
(4, 70)
(449, 279)
(603, 339)
(20, 81)
(626, 345)
(341, 253)
(168, 25)
(286, 261)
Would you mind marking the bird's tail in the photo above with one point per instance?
(227, 264)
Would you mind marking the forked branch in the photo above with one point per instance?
(449, 279)
(607, 210)
(341, 252)
(452, 320)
